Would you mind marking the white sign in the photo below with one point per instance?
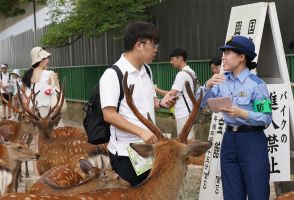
(277, 133)
(211, 187)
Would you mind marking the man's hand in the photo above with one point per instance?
(148, 137)
(235, 111)
(168, 100)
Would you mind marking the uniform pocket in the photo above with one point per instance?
(243, 100)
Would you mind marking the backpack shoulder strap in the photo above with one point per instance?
(194, 78)
(120, 78)
(148, 70)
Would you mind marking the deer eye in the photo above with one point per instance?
(19, 147)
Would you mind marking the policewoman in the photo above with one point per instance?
(244, 154)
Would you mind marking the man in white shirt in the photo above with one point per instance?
(5, 91)
(184, 105)
(141, 42)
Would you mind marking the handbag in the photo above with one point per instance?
(53, 99)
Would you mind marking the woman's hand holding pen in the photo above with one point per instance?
(215, 80)
(235, 111)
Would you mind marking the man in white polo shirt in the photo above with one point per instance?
(141, 42)
(184, 105)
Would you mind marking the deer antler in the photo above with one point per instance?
(32, 98)
(128, 91)
(59, 103)
(189, 123)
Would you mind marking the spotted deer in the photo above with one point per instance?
(169, 166)
(11, 156)
(286, 196)
(56, 151)
(62, 180)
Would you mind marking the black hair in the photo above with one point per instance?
(137, 31)
(5, 65)
(216, 61)
(28, 75)
(179, 52)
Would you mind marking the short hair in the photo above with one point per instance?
(216, 61)
(179, 52)
(139, 31)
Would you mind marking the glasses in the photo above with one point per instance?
(154, 46)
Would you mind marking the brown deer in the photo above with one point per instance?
(286, 196)
(56, 151)
(11, 156)
(169, 167)
(62, 180)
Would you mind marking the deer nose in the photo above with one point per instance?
(37, 156)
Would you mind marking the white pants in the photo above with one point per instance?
(180, 124)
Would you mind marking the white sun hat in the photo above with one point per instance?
(3, 66)
(16, 71)
(38, 54)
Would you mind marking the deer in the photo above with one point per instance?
(56, 151)
(169, 167)
(286, 196)
(62, 180)
(11, 156)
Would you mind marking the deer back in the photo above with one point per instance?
(64, 181)
(69, 131)
(286, 196)
(14, 131)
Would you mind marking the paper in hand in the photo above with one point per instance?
(216, 103)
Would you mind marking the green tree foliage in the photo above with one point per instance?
(11, 8)
(75, 18)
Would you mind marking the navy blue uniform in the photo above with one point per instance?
(244, 154)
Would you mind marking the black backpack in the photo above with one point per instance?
(97, 129)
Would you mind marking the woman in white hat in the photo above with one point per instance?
(46, 81)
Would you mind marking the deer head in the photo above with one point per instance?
(17, 151)
(47, 123)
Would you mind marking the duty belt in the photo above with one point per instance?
(244, 128)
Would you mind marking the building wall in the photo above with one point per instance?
(22, 23)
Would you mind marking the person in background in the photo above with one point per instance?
(6, 91)
(215, 65)
(183, 106)
(141, 43)
(244, 152)
(16, 79)
(46, 81)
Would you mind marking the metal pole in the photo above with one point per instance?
(35, 22)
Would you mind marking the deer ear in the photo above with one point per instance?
(2, 141)
(197, 148)
(86, 166)
(27, 139)
(144, 150)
